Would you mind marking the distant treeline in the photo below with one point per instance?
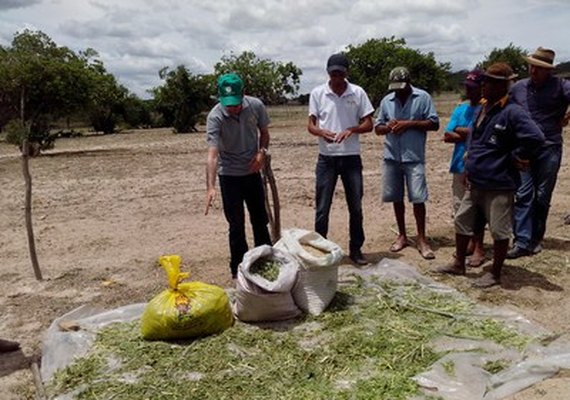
(46, 86)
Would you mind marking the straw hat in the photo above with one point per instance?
(542, 58)
(500, 71)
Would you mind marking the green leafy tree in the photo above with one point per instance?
(106, 98)
(563, 68)
(137, 113)
(268, 80)
(372, 61)
(454, 81)
(182, 98)
(41, 82)
(512, 55)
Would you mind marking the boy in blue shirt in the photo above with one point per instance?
(457, 132)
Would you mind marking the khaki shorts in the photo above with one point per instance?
(495, 205)
(457, 191)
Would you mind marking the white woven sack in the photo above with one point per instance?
(287, 272)
(318, 275)
(257, 299)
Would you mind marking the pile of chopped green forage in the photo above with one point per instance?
(268, 269)
(368, 345)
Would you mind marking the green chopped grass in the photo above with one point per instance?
(268, 269)
(449, 368)
(373, 339)
(494, 367)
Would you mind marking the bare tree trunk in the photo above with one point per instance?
(28, 210)
(28, 200)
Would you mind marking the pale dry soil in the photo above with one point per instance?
(106, 207)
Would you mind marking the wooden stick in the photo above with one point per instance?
(275, 214)
(40, 392)
(28, 209)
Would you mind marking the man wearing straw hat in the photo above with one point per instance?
(546, 99)
(503, 139)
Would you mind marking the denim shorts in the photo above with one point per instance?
(397, 174)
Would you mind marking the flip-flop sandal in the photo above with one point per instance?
(475, 263)
(396, 247)
(427, 254)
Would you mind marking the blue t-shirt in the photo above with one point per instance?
(463, 116)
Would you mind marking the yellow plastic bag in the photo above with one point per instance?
(186, 309)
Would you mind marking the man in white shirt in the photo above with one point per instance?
(339, 112)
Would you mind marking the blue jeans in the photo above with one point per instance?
(349, 168)
(532, 200)
(235, 191)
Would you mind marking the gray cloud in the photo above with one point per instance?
(12, 4)
(429, 9)
(135, 38)
(97, 29)
(272, 14)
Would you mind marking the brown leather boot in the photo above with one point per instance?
(7, 346)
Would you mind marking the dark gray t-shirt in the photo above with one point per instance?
(236, 137)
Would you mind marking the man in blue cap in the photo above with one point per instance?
(339, 112)
(238, 138)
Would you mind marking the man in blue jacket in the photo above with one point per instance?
(502, 143)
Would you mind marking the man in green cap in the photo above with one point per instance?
(238, 138)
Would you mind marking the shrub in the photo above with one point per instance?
(15, 132)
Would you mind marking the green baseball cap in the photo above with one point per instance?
(230, 90)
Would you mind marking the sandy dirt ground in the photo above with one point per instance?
(106, 207)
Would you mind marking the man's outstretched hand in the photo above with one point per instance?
(210, 197)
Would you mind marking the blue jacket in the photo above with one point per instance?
(505, 132)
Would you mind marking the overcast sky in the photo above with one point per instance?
(136, 38)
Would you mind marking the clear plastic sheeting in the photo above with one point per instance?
(71, 335)
(458, 375)
(468, 380)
